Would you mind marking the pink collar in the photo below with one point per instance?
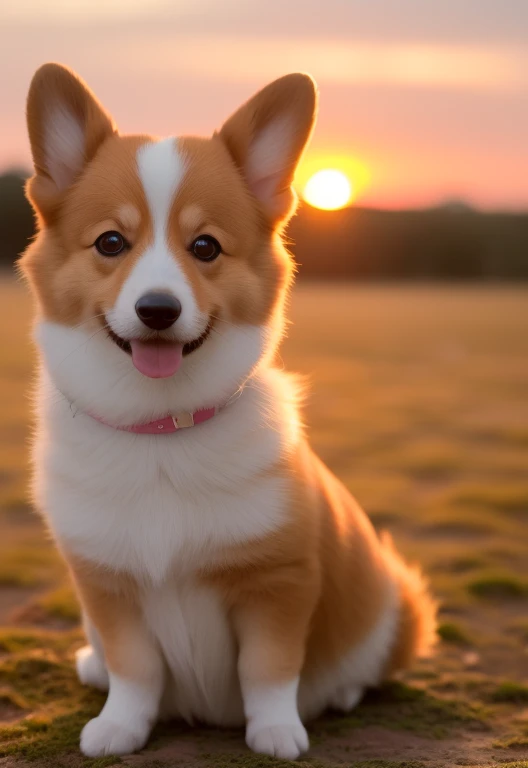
(168, 424)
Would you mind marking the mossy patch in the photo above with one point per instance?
(461, 564)
(498, 586)
(38, 671)
(517, 741)
(16, 640)
(40, 679)
(402, 707)
(53, 739)
(29, 566)
(516, 764)
(511, 692)
(453, 633)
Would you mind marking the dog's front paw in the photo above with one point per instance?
(91, 668)
(102, 737)
(284, 741)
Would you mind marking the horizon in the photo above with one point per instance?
(440, 204)
(419, 107)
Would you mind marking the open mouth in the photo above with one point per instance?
(158, 358)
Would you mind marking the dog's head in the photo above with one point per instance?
(158, 266)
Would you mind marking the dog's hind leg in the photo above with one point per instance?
(346, 698)
(89, 660)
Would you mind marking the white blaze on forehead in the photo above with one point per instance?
(161, 169)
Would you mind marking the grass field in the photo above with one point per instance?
(419, 402)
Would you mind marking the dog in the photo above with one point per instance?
(225, 575)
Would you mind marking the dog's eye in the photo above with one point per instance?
(110, 244)
(206, 248)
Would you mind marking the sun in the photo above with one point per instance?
(329, 189)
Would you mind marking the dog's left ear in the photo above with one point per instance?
(266, 138)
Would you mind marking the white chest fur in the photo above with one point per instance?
(199, 647)
(151, 504)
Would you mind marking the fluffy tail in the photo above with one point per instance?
(416, 634)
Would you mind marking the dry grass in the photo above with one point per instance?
(418, 402)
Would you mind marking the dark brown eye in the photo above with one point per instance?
(110, 244)
(206, 248)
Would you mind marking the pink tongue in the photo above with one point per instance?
(156, 359)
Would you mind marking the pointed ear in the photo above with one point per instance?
(266, 138)
(66, 125)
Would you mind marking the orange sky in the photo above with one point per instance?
(421, 102)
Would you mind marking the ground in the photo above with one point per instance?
(419, 403)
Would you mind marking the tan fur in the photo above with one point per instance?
(340, 578)
(296, 611)
(417, 626)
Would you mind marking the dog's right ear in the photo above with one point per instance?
(66, 125)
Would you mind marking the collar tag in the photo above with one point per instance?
(183, 419)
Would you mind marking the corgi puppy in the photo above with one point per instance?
(225, 575)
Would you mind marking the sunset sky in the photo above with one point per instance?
(422, 101)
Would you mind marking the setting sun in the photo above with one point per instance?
(328, 189)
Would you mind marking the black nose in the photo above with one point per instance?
(158, 310)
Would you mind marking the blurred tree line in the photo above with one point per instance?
(452, 242)
(449, 242)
